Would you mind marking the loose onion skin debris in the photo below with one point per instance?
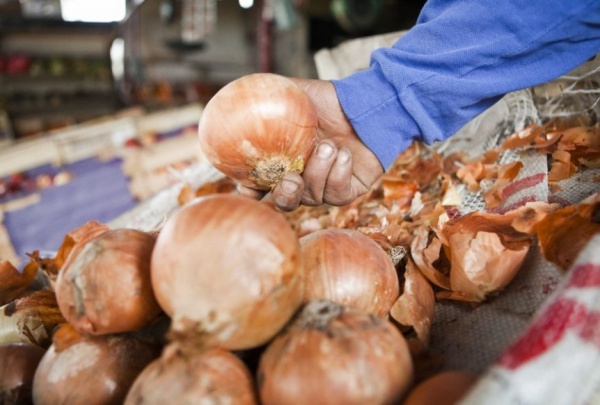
(258, 128)
(214, 376)
(348, 267)
(104, 286)
(30, 319)
(331, 354)
(14, 283)
(228, 271)
(90, 370)
(18, 362)
(563, 233)
(415, 307)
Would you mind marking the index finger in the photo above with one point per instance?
(250, 192)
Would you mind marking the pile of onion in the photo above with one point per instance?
(213, 376)
(258, 128)
(348, 267)
(104, 286)
(90, 370)
(227, 269)
(332, 354)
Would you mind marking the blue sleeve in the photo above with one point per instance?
(460, 58)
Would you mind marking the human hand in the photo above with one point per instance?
(340, 169)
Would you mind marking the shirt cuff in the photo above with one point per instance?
(373, 108)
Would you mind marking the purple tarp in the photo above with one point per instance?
(99, 191)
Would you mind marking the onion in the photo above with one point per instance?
(104, 286)
(214, 376)
(348, 267)
(258, 128)
(90, 370)
(228, 270)
(331, 355)
(72, 240)
(18, 362)
(445, 388)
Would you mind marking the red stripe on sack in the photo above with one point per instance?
(585, 275)
(522, 184)
(515, 205)
(560, 316)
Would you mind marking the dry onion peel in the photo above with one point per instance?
(416, 305)
(424, 254)
(14, 283)
(563, 233)
(30, 319)
(481, 264)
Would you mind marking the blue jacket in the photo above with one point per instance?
(460, 58)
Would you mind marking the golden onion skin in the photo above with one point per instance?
(213, 376)
(104, 286)
(258, 128)
(334, 355)
(228, 271)
(93, 370)
(346, 266)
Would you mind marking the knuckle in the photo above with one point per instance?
(339, 199)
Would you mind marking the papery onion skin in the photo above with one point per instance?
(415, 307)
(333, 355)
(14, 283)
(228, 270)
(214, 376)
(104, 286)
(30, 319)
(92, 370)
(348, 267)
(258, 128)
(18, 362)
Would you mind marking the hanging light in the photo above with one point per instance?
(93, 10)
(246, 3)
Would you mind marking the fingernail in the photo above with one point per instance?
(343, 156)
(325, 150)
(289, 187)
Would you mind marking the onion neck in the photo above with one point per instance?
(318, 314)
(269, 171)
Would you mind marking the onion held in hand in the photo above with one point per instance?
(104, 286)
(335, 355)
(228, 271)
(258, 128)
(348, 267)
